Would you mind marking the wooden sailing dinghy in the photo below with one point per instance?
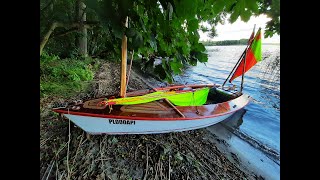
(159, 110)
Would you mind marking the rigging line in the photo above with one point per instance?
(128, 77)
(193, 102)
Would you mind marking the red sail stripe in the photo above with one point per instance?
(250, 61)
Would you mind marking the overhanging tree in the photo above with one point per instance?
(169, 28)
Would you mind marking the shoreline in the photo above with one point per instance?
(265, 163)
(243, 152)
(191, 154)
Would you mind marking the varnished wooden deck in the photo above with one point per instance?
(156, 109)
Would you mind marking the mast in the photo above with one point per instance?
(234, 68)
(243, 70)
(245, 58)
(123, 83)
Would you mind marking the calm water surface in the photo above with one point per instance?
(262, 82)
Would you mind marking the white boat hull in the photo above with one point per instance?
(129, 125)
(96, 125)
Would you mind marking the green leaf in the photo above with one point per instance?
(193, 25)
(204, 28)
(218, 6)
(176, 66)
(252, 5)
(234, 16)
(237, 10)
(160, 71)
(178, 156)
(137, 41)
(241, 5)
(142, 24)
(202, 57)
(185, 49)
(140, 10)
(166, 148)
(117, 32)
(186, 9)
(194, 37)
(153, 43)
(114, 140)
(198, 47)
(229, 4)
(245, 16)
(124, 7)
(130, 32)
(166, 69)
(193, 61)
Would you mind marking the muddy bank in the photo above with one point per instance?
(183, 155)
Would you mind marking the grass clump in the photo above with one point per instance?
(65, 77)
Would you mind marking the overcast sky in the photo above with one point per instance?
(240, 30)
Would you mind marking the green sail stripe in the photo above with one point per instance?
(256, 47)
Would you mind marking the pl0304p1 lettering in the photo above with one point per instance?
(121, 121)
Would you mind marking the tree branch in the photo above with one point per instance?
(46, 6)
(74, 26)
(63, 33)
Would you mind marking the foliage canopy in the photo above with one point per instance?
(157, 28)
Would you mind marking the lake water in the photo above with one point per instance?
(261, 120)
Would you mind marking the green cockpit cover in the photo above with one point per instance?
(189, 98)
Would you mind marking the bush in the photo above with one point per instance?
(65, 76)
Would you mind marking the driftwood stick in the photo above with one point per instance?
(68, 168)
(160, 167)
(44, 141)
(169, 168)
(147, 166)
(75, 156)
(47, 173)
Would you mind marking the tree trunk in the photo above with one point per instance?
(82, 39)
(46, 37)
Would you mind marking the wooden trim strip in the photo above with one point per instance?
(143, 118)
(174, 107)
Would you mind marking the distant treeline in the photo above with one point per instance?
(225, 42)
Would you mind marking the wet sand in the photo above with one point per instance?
(247, 156)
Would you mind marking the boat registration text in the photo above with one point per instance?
(121, 121)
